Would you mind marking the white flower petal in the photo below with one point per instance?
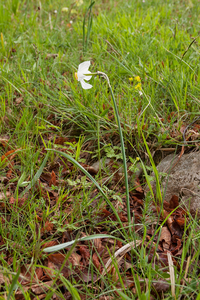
(83, 67)
(85, 86)
(81, 75)
(87, 77)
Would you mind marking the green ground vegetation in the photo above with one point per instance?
(150, 51)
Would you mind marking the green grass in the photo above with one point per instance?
(41, 47)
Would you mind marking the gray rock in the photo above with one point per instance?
(182, 178)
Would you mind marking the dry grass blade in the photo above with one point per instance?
(122, 251)
(185, 276)
(171, 272)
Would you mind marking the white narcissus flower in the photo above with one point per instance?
(81, 75)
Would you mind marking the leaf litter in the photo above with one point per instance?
(88, 261)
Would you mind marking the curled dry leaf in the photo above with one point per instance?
(8, 155)
(174, 203)
(53, 180)
(165, 238)
(74, 259)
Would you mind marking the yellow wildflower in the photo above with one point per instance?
(65, 9)
(79, 2)
(137, 78)
(138, 86)
(130, 79)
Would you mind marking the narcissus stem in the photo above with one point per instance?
(122, 148)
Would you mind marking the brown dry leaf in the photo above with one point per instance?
(63, 140)
(87, 277)
(174, 227)
(162, 257)
(51, 55)
(19, 295)
(49, 272)
(53, 180)
(38, 273)
(42, 296)
(4, 279)
(170, 116)
(165, 238)
(42, 287)
(10, 171)
(26, 274)
(122, 217)
(98, 244)
(56, 261)
(90, 170)
(8, 155)
(74, 259)
(96, 261)
(161, 286)
(4, 142)
(138, 186)
(180, 221)
(47, 227)
(19, 100)
(49, 244)
(56, 258)
(174, 203)
(182, 129)
(115, 276)
(4, 195)
(12, 200)
(85, 253)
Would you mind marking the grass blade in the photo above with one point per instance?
(87, 238)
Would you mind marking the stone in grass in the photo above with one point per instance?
(181, 178)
